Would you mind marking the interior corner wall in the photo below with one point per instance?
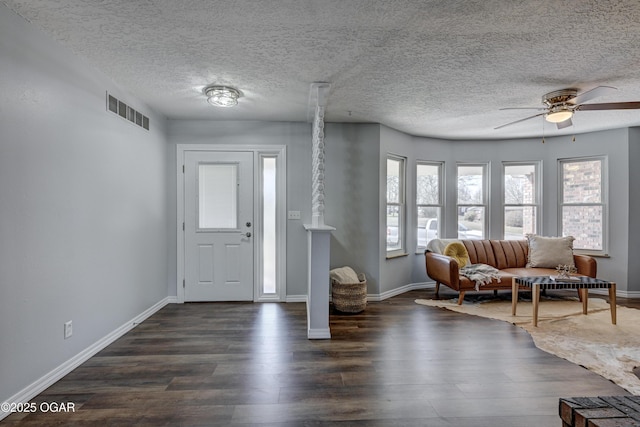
(83, 212)
(396, 272)
(633, 270)
(296, 137)
(352, 197)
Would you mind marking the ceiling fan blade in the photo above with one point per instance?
(523, 108)
(592, 93)
(565, 124)
(610, 106)
(518, 121)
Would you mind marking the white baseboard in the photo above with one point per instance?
(296, 298)
(41, 384)
(319, 334)
(397, 291)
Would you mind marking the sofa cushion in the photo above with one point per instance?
(457, 251)
(498, 253)
(549, 252)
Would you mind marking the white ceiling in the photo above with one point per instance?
(440, 68)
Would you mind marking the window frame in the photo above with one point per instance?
(537, 187)
(486, 205)
(400, 204)
(440, 205)
(604, 201)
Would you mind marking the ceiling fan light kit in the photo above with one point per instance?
(559, 116)
(559, 106)
(222, 96)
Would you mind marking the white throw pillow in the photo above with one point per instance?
(549, 252)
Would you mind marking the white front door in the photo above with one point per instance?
(218, 214)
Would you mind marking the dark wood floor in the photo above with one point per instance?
(396, 364)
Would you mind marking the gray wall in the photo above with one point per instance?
(633, 266)
(396, 272)
(296, 137)
(82, 230)
(352, 198)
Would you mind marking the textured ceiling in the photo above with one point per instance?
(440, 68)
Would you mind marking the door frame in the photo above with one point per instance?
(279, 152)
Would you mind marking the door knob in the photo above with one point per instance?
(248, 234)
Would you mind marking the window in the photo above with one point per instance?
(217, 196)
(269, 224)
(429, 201)
(472, 201)
(583, 202)
(521, 199)
(395, 205)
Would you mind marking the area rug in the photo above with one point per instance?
(612, 351)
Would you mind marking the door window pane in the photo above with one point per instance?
(269, 225)
(218, 196)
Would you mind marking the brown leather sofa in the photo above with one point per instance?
(508, 256)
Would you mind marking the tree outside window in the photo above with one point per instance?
(521, 199)
(429, 201)
(472, 201)
(395, 204)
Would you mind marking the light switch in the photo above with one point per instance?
(294, 215)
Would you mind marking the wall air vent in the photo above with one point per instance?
(126, 112)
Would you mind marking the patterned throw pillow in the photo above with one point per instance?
(549, 252)
(457, 251)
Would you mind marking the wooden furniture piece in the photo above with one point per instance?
(581, 283)
(607, 411)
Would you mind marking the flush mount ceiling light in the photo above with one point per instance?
(222, 96)
(559, 115)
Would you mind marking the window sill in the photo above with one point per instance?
(592, 255)
(398, 255)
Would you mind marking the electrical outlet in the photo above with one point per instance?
(68, 329)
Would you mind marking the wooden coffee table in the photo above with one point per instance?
(583, 285)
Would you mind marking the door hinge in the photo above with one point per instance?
(183, 283)
(182, 168)
(183, 226)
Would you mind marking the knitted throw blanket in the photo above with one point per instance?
(480, 273)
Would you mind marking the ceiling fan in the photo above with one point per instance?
(560, 105)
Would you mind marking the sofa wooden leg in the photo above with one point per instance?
(495, 292)
(437, 289)
(460, 297)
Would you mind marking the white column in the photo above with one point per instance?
(317, 178)
(319, 240)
